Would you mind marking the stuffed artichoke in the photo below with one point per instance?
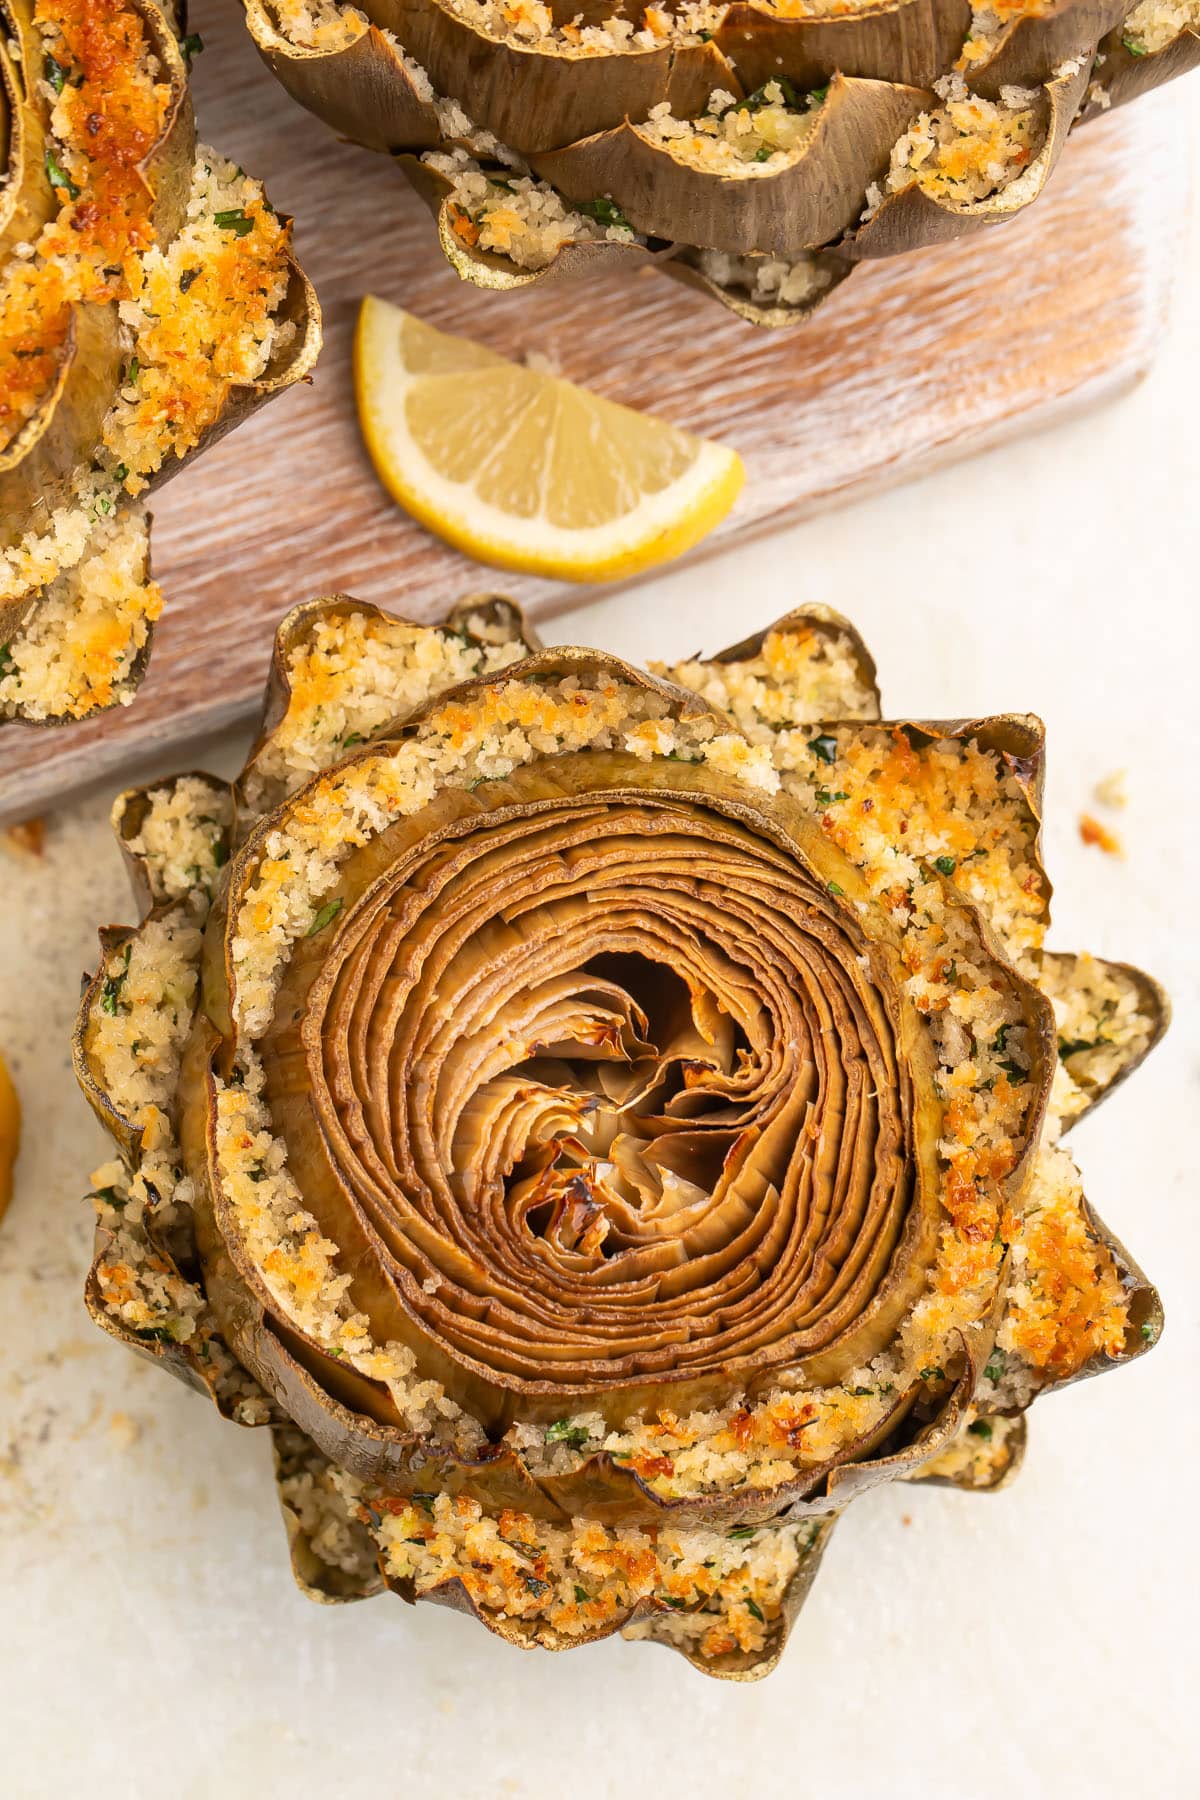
(148, 300)
(602, 1121)
(758, 149)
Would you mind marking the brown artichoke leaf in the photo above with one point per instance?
(332, 1552)
(1031, 47)
(26, 196)
(291, 361)
(1115, 1015)
(361, 88)
(911, 42)
(37, 465)
(488, 268)
(481, 621)
(15, 613)
(985, 1456)
(823, 622)
(911, 217)
(752, 1665)
(799, 200)
(773, 315)
(536, 98)
(1123, 73)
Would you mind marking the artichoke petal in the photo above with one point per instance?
(801, 199)
(908, 42)
(361, 87)
(535, 98)
(1030, 48)
(1127, 72)
(1100, 1053)
(489, 269)
(688, 267)
(911, 216)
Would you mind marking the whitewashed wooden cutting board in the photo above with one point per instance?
(912, 363)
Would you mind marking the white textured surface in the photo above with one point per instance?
(1037, 1643)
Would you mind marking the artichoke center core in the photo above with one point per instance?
(599, 1093)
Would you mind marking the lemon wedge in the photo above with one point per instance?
(523, 469)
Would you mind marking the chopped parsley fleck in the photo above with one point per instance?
(834, 888)
(536, 1586)
(934, 1372)
(55, 73)
(235, 220)
(945, 865)
(352, 737)
(57, 176)
(131, 373)
(581, 1595)
(758, 99)
(191, 45)
(110, 992)
(741, 1532)
(7, 665)
(1134, 48)
(605, 212)
(824, 748)
(752, 1608)
(121, 472)
(325, 916)
(980, 1428)
(425, 1502)
(563, 1432)
(187, 278)
(1148, 1332)
(1072, 1046)
(825, 798)
(994, 1367)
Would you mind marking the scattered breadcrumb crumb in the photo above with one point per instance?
(1093, 832)
(1110, 791)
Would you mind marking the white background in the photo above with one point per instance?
(1037, 1642)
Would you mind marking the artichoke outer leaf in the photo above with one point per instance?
(483, 618)
(1145, 1321)
(911, 218)
(1001, 1466)
(911, 42)
(288, 364)
(362, 89)
(753, 1665)
(27, 199)
(1032, 46)
(1125, 76)
(317, 1578)
(1155, 1005)
(536, 98)
(37, 466)
(814, 194)
(772, 315)
(826, 623)
(487, 269)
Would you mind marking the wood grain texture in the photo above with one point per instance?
(913, 362)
